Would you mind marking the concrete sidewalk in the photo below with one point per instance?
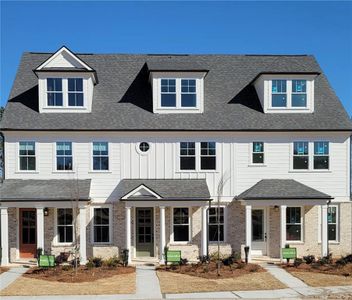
(10, 276)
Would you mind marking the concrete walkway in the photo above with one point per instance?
(10, 276)
(147, 283)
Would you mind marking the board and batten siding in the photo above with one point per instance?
(161, 161)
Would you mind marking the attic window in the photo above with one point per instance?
(75, 91)
(289, 93)
(54, 92)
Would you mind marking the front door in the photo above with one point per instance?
(259, 232)
(28, 233)
(145, 232)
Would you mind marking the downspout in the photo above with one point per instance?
(2, 154)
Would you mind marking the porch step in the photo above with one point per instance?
(267, 259)
(29, 263)
(145, 261)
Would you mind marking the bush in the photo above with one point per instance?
(183, 261)
(214, 256)
(66, 268)
(325, 260)
(90, 265)
(344, 260)
(204, 259)
(96, 261)
(111, 262)
(297, 262)
(309, 259)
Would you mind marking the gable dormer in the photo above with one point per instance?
(286, 93)
(177, 88)
(65, 83)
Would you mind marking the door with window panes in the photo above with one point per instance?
(259, 231)
(28, 232)
(144, 230)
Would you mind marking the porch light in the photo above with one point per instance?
(46, 211)
(276, 208)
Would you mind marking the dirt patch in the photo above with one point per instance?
(330, 269)
(3, 270)
(172, 282)
(210, 271)
(33, 285)
(84, 274)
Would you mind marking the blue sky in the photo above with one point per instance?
(323, 29)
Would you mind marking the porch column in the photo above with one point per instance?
(204, 231)
(40, 228)
(282, 228)
(249, 230)
(162, 234)
(4, 236)
(82, 235)
(324, 230)
(128, 232)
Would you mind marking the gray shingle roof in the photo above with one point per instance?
(44, 190)
(123, 99)
(281, 189)
(167, 189)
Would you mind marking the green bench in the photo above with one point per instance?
(46, 261)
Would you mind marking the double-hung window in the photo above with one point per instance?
(208, 155)
(64, 158)
(293, 224)
(188, 93)
(27, 156)
(187, 156)
(101, 225)
(54, 92)
(65, 225)
(168, 93)
(299, 93)
(181, 224)
(300, 155)
(321, 155)
(75, 91)
(216, 224)
(332, 223)
(279, 93)
(258, 153)
(100, 156)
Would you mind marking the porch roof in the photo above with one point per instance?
(164, 189)
(281, 189)
(18, 190)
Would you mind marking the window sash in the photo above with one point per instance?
(213, 223)
(321, 152)
(179, 215)
(187, 156)
(258, 153)
(56, 93)
(67, 227)
(188, 89)
(101, 225)
(208, 155)
(64, 156)
(301, 155)
(100, 155)
(27, 156)
(294, 222)
(168, 87)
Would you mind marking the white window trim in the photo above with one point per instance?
(301, 241)
(18, 166)
(198, 157)
(251, 163)
(110, 207)
(310, 155)
(172, 241)
(337, 241)
(56, 232)
(55, 170)
(225, 224)
(91, 169)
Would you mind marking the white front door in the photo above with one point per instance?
(259, 231)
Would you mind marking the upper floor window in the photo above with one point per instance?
(168, 93)
(300, 155)
(75, 91)
(299, 93)
(188, 93)
(64, 159)
(258, 153)
(207, 155)
(321, 155)
(187, 155)
(54, 92)
(100, 156)
(279, 93)
(27, 156)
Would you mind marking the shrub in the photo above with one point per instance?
(111, 262)
(348, 258)
(97, 261)
(214, 256)
(297, 262)
(309, 259)
(344, 260)
(236, 255)
(203, 259)
(325, 260)
(66, 268)
(183, 261)
(90, 265)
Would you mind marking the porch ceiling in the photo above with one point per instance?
(281, 189)
(165, 189)
(44, 190)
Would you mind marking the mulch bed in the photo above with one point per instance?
(331, 269)
(84, 274)
(3, 269)
(210, 271)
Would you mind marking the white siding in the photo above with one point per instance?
(233, 160)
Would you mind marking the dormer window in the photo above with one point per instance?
(188, 93)
(75, 91)
(286, 93)
(54, 91)
(168, 93)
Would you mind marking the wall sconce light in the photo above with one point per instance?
(46, 211)
(276, 208)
